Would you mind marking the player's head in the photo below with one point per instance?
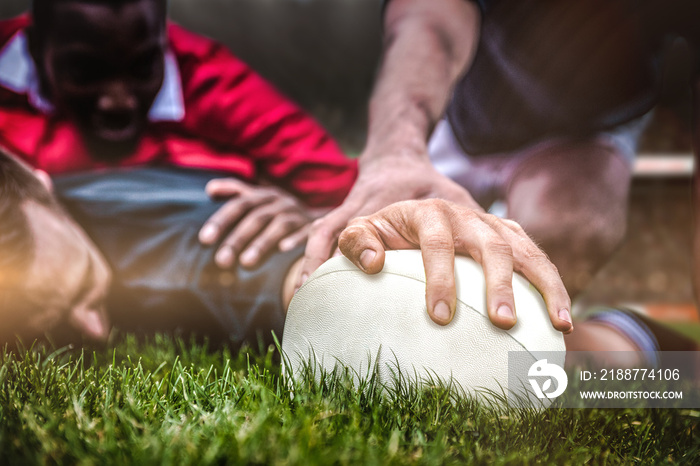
(51, 274)
(101, 63)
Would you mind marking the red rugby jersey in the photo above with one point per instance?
(234, 121)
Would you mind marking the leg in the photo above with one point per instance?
(571, 197)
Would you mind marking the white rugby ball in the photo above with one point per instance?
(343, 316)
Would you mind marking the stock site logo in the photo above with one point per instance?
(542, 369)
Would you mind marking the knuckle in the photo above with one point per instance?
(501, 248)
(443, 284)
(285, 205)
(535, 258)
(263, 217)
(438, 242)
(534, 253)
(243, 203)
(554, 268)
(497, 246)
(490, 220)
(492, 240)
(318, 223)
(355, 227)
(289, 221)
(223, 216)
(358, 222)
(272, 196)
(513, 225)
(501, 288)
(351, 234)
(436, 205)
(238, 244)
(465, 216)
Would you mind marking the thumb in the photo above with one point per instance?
(91, 322)
(321, 243)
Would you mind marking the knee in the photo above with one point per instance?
(593, 239)
(580, 249)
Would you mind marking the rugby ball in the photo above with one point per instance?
(343, 317)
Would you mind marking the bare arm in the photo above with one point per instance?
(428, 46)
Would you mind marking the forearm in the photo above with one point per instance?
(428, 46)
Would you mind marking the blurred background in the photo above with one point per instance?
(323, 54)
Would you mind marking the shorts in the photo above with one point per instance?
(146, 223)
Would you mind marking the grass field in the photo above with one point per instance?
(169, 402)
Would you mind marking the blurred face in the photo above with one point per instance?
(103, 65)
(69, 279)
(66, 283)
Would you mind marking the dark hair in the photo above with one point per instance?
(43, 10)
(17, 185)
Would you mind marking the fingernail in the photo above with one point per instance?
(224, 257)
(565, 315)
(208, 233)
(442, 311)
(286, 245)
(249, 257)
(367, 257)
(304, 277)
(505, 311)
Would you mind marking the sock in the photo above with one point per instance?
(632, 327)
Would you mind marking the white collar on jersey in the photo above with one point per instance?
(18, 74)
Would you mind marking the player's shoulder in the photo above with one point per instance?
(203, 61)
(188, 44)
(199, 56)
(9, 27)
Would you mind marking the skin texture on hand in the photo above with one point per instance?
(253, 222)
(381, 182)
(442, 229)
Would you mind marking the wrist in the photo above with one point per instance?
(400, 130)
(402, 147)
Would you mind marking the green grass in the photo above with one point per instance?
(169, 402)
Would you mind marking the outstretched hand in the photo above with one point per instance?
(381, 182)
(253, 222)
(441, 229)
